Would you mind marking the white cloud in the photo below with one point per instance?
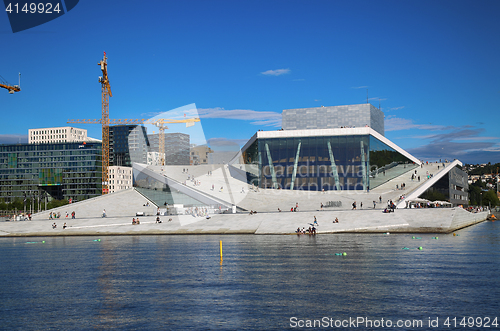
(266, 118)
(277, 72)
(262, 118)
(396, 123)
(394, 108)
(356, 87)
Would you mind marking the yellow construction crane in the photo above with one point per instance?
(105, 94)
(160, 123)
(11, 88)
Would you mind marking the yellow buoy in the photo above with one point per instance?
(220, 244)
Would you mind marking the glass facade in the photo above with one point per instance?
(127, 144)
(61, 170)
(344, 162)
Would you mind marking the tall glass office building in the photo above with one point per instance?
(324, 159)
(59, 170)
(127, 144)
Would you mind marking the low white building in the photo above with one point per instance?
(120, 178)
(64, 134)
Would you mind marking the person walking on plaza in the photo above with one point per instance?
(104, 213)
(354, 205)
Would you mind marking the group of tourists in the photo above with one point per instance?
(54, 226)
(53, 215)
(311, 230)
(390, 207)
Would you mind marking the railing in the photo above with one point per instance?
(329, 204)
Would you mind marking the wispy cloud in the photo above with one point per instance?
(445, 146)
(276, 72)
(262, 118)
(393, 108)
(377, 98)
(395, 123)
(356, 87)
(449, 142)
(265, 118)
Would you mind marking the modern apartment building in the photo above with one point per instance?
(120, 178)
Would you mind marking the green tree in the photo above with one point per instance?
(490, 198)
(16, 204)
(433, 195)
(474, 194)
(56, 203)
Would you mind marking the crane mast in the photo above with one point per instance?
(105, 94)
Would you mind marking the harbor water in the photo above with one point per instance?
(263, 282)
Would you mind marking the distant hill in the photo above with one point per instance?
(482, 169)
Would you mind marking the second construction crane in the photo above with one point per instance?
(159, 122)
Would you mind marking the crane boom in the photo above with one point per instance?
(11, 88)
(133, 121)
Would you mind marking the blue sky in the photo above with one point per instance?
(432, 65)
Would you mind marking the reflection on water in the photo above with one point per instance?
(177, 282)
